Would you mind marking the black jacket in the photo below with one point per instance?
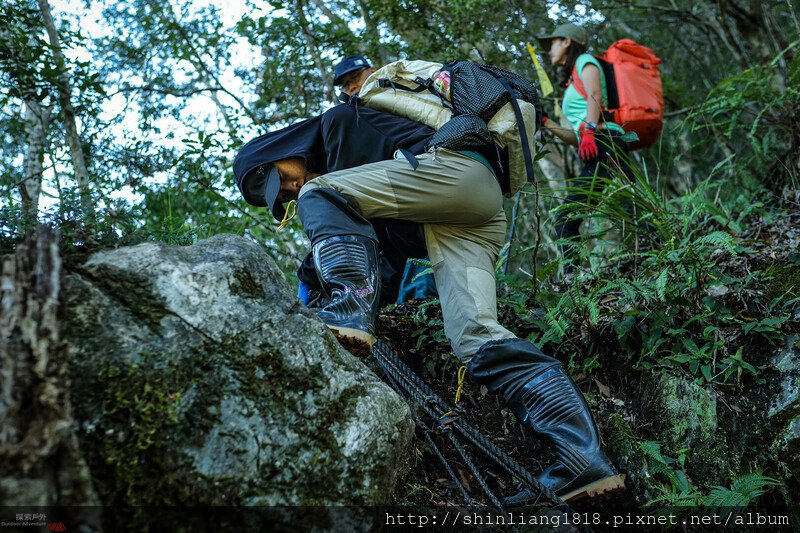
(345, 136)
(354, 136)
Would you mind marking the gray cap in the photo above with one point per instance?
(568, 29)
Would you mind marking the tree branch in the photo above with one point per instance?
(308, 35)
(197, 59)
(161, 90)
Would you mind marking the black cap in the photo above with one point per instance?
(272, 191)
(348, 65)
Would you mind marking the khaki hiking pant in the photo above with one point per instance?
(461, 206)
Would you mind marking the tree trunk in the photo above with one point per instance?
(40, 463)
(37, 118)
(65, 99)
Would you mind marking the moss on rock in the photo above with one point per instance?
(623, 448)
(238, 397)
(784, 279)
(684, 413)
(139, 409)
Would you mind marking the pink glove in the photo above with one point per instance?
(588, 148)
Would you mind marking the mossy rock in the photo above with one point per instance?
(785, 280)
(623, 448)
(225, 390)
(785, 405)
(683, 413)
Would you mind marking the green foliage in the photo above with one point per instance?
(753, 112)
(666, 289)
(157, 64)
(742, 492)
(675, 489)
(429, 329)
(428, 270)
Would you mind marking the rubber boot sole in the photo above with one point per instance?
(597, 489)
(600, 489)
(356, 341)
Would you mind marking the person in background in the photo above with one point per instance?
(350, 74)
(600, 142)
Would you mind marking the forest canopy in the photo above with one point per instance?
(120, 120)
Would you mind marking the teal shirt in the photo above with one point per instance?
(575, 107)
(479, 158)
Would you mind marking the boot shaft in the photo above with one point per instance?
(347, 267)
(544, 398)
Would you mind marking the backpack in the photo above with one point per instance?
(469, 105)
(635, 94)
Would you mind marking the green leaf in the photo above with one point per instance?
(692, 347)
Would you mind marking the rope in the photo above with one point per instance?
(444, 462)
(291, 211)
(477, 475)
(421, 394)
(462, 372)
(429, 403)
(460, 486)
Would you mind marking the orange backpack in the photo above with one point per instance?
(635, 95)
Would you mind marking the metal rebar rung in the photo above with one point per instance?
(424, 396)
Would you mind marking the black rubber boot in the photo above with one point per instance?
(344, 246)
(347, 267)
(544, 398)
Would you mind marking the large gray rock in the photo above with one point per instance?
(684, 416)
(785, 405)
(199, 378)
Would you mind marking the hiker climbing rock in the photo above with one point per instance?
(599, 139)
(384, 173)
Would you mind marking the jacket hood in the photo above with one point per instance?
(303, 139)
